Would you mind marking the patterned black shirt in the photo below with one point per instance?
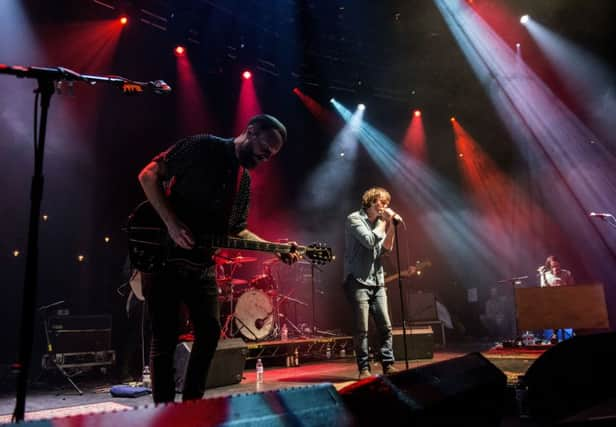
(202, 173)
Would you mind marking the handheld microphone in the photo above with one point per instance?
(396, 219)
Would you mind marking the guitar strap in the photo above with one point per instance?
(232, 200)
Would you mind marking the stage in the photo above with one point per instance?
(46, 400)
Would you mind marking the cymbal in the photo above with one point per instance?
(223, 260)
(232, 282)
(242, 259)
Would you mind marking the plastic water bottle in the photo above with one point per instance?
(146, 379)
(259, 369)
(284, 333)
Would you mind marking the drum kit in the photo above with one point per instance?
(251, 308)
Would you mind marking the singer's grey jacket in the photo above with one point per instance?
(363, 250)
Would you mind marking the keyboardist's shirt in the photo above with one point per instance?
(563, 278)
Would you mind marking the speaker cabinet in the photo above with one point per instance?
(227, 365)
(419, 342)
(572, 376)
(467, 390)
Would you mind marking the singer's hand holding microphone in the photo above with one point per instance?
(390, 215)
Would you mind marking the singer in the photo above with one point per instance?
(199, 186)
(369, 234)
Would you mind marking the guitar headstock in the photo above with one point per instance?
(318, 253)
(416, 268)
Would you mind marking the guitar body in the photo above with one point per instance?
(150, 247)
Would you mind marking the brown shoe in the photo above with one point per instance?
(389, 369)
(364, 373)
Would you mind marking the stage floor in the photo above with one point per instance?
(47, 402)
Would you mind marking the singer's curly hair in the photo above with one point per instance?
(373, 194)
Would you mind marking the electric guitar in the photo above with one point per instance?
(150, 247)
(410, 271)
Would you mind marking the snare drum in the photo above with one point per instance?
(254, 315)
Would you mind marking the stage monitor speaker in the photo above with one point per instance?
(467, 390)
(227, 366)
(572, 376)
(311, 406)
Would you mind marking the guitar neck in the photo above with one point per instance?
(391, 278)
(251, 245)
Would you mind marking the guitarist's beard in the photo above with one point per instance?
(246, 157)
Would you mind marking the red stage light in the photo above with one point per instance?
(123, 20)
(246, 75)
(417, 113)
(453, 119)
(179, 50)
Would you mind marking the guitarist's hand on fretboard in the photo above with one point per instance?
(289, 258)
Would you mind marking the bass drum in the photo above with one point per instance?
(254, 315)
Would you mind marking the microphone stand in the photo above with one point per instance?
(402, 309)
(46, 77)
(315, 329)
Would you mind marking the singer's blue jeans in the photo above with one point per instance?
(366, 300)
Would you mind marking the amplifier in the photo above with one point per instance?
(419, 342)
(438, 331)
(79, 334)
(78, 360)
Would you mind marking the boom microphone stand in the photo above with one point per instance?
(47, 78)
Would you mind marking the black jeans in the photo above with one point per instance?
(164, 293)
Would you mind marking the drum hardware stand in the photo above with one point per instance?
(315, 329)
(279, 301)
(226, 331)
(244, 326)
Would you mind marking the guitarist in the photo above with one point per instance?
(369, 234)
(199, 185)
